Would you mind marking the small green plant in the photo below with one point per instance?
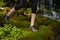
(10, 32)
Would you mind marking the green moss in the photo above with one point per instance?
(46, 26)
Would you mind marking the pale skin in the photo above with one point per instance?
(32, 16)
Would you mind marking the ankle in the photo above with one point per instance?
(7, 15)
(31, 25)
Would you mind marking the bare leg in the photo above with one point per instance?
(32, 22)
(32, 19)
(8, 14)
(11, 11)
